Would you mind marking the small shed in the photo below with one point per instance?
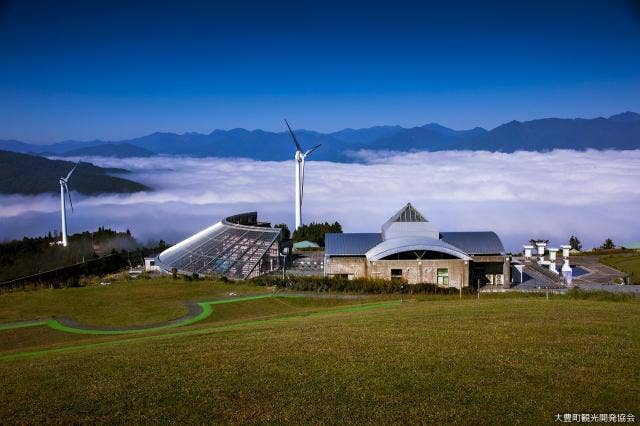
(150, 264)
(305, 245)
(631, 246)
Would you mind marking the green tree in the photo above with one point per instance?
(286, 234)
(315, 232)
(608, 244)
(575, 243)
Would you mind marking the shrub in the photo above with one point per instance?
(358, 285)
(576, 293)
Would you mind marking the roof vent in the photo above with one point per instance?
(409, 214)
(408, 222)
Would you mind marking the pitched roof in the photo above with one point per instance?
(305, 244)
(356, 244)
(408, 214)
(408, 222)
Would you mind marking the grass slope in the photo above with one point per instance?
(627, 263)
(431, 360)
(123, 303)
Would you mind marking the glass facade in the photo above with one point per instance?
(232, 250)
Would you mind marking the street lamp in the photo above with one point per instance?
(284, 260)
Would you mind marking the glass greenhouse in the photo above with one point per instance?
(238, 247)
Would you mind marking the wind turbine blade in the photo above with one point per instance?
(309, 151)
(72, 170)
(295, 141)
(68, 195)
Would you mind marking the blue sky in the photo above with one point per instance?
(114, 70)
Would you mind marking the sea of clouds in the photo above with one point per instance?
(591, 194)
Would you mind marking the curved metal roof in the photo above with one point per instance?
(475, 242)
(398, 245)
(225, 248)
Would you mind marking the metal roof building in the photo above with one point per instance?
(358, 244)
(237, 247)
(411, 248)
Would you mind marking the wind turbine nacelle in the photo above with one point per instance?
(298, 156)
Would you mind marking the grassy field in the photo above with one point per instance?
(503, 359)
(627, 263)
(122, 303)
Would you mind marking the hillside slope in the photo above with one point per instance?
(30, 174)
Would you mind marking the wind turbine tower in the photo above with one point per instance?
(65, 188)
(300, 156)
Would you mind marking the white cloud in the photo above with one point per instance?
(592, 194)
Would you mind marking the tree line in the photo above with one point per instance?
(34, 255)
(314, 232)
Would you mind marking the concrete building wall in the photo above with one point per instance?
(423, 271)
(353, 266)
(413, 271)
(495, 269)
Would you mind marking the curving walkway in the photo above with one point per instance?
(195, 312)
(204, 311)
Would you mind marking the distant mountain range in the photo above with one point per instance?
(620, 132)
(119, 150)
(30, 174)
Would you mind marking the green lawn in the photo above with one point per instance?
(123, 303)
(629, 264)
(428, 360)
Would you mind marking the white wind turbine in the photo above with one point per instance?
(64, 188)
(299, 157)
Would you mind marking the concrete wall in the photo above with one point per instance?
(356, 266)
(423, 271)
(414, 271)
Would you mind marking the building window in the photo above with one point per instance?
(152, 263)
(443, 276)
(396, 274)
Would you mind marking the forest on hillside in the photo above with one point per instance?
(31, 174)
(30, 256)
